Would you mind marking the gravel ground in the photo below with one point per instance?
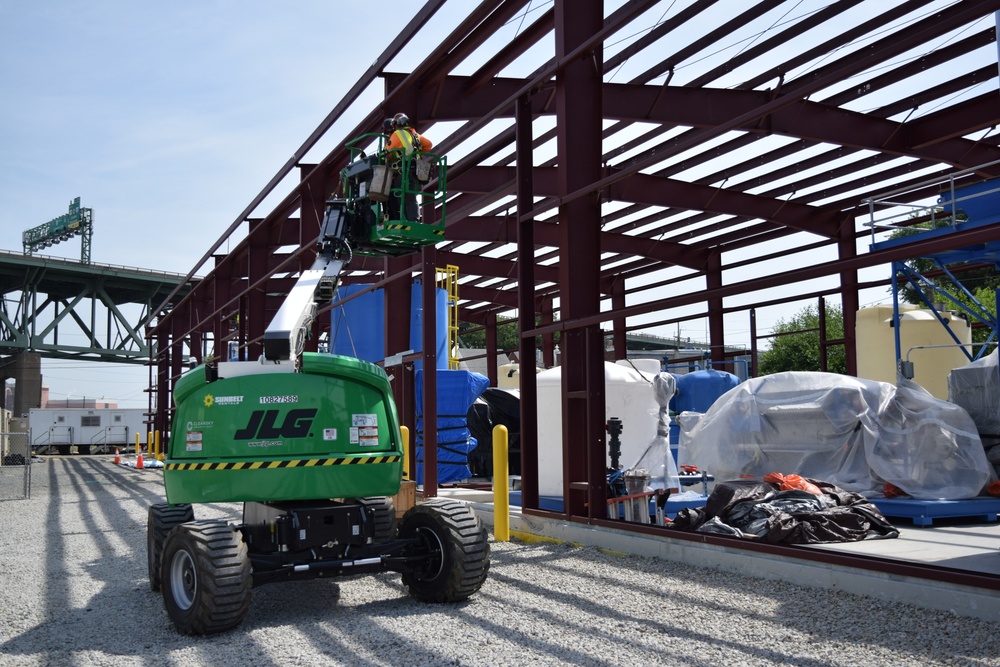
(74, 592)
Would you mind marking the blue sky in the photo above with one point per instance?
(166, 120)
(166, 123)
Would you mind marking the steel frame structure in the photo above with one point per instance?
(629, 165)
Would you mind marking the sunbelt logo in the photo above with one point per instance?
(264, 425)
(222, 400)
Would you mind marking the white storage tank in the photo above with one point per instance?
(628, 396)
(649, 367)
(876, 346)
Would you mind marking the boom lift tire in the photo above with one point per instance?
(385, 516)
(160, 520)
(458, 546)
(206, 577)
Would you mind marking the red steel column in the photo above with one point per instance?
(618, 335)
(547, 316)
(164, 395)
(492, 355)
(258, 259)
(428, 338)
(716, 323)
(180, 323)
(578, 122)
(222, 324)
(396, 333)
(311, 208)
(849, 300)
(526, 304)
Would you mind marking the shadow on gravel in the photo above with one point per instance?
(96, 595)
(808, 615)
(144, 487)
(369, 614)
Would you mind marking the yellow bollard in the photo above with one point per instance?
(137, 444)
(404, 434)
(156, 447)
(501, 486)
(149, 442)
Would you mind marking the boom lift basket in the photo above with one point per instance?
(377, 193)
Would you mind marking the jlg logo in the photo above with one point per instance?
(263, 425)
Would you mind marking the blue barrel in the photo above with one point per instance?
(696, 392)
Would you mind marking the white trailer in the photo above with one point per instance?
(90, 430)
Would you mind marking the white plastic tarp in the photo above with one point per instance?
(857, 434)
(657, 458)
(976, 387)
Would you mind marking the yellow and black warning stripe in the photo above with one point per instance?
(295, 463)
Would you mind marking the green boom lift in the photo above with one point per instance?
(309, 443)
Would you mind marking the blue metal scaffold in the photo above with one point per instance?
(957, 209)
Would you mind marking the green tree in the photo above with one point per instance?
(506, 335)
(797, 346)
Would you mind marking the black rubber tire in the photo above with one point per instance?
(456, 546)
(160, 520)
(83, 449)
(63, 450)
(206, 577)
(385, 517)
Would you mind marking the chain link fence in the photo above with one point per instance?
(15, 466)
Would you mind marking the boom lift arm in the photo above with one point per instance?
(285, 336)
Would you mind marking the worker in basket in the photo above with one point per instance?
(405, 141)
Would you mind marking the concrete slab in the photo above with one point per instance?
(973, 547)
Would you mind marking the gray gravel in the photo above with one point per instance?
(74, 592)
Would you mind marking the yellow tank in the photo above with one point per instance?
(509, 376)
(876, 348)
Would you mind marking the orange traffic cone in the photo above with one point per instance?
(118, 458)
(138, 461)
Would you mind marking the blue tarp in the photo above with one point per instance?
(357, 328)
(456, 392)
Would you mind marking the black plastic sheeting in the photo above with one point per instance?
(495, 407)
(754, 509)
